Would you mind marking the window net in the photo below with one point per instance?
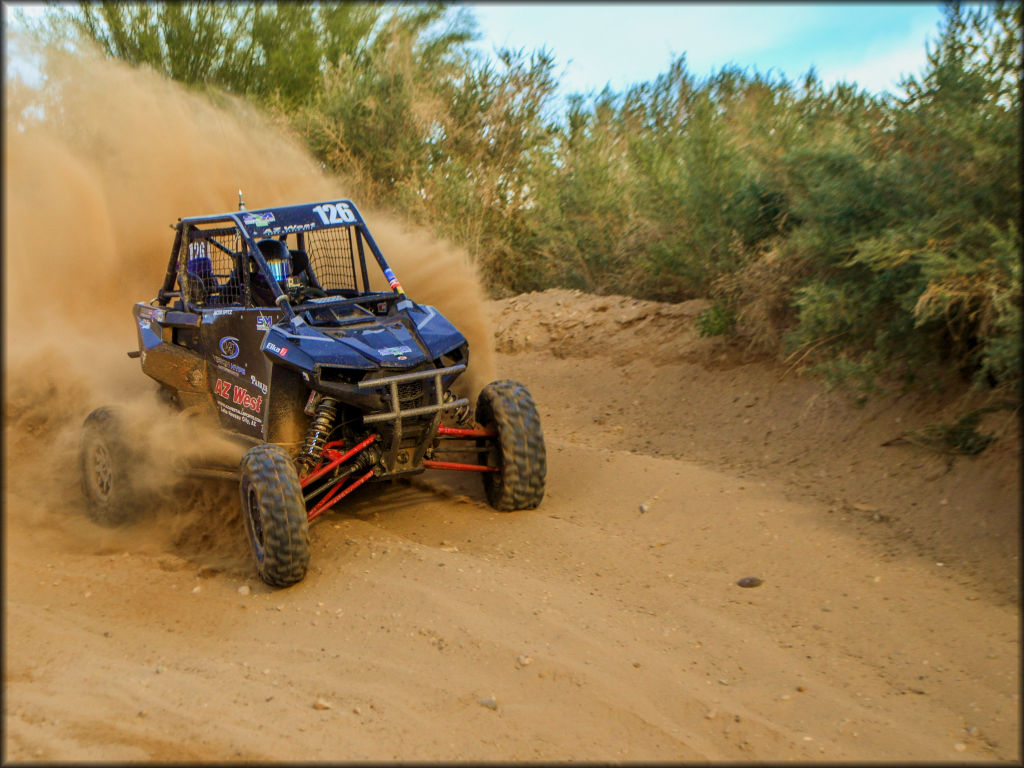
(210, 272)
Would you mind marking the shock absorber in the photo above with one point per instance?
(319, 430)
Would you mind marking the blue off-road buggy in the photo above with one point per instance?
(268, 323)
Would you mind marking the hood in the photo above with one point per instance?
(412, 336)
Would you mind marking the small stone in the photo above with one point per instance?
(244, 590)
(524, 660)
(711, 714)
(196, 589)
(748, 582)
(800, 689)
(489, 702)
(321, 704)
(960, 747)
(643, 508)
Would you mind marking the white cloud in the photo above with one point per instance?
(626, 44)
(597, 44)
(882, 64)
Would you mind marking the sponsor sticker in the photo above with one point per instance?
(151, 314)
(258, 219)
(228, 367)
(238, 395)
(229, 347)
(288, 229)
(243, 417)
(282, 351)
(263, 322)
(395, 351)
(258, 384)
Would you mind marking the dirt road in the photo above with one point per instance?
(605, 625)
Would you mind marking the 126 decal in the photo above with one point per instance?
(335, 213)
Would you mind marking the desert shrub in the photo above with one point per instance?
(716, 320)
(875, 236)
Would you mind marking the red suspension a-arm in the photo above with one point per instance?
(337, 459)
(456, 432)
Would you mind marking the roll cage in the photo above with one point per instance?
(216, 260)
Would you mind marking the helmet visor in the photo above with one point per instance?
(280, 269)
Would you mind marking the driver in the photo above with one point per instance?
(290, 269)
(279, 260)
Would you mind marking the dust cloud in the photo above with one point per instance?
(99, 162)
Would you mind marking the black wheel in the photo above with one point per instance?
(506, 406)
(275, 515)
(110, 493)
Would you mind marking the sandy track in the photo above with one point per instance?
(437, 629)
(430, 626)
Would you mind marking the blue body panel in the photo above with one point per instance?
(415, 335)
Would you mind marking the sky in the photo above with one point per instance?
(620, 44)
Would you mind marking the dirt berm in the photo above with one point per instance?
(607, 625)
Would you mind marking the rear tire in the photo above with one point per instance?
(506, 406)
(274, 514)
(110, 493)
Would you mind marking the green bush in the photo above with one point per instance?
(872, 236)
(716, 320)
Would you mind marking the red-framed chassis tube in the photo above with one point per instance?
(333, 458)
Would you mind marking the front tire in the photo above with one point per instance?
(506, 407)
(109, 488)
(274, 514)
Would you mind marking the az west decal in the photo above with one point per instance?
(239, 395)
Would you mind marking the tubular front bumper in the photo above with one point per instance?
(397, 413)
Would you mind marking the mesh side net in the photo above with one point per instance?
(207, 271)
(208, 277)
(332, 257)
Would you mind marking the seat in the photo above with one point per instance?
(201, 284)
